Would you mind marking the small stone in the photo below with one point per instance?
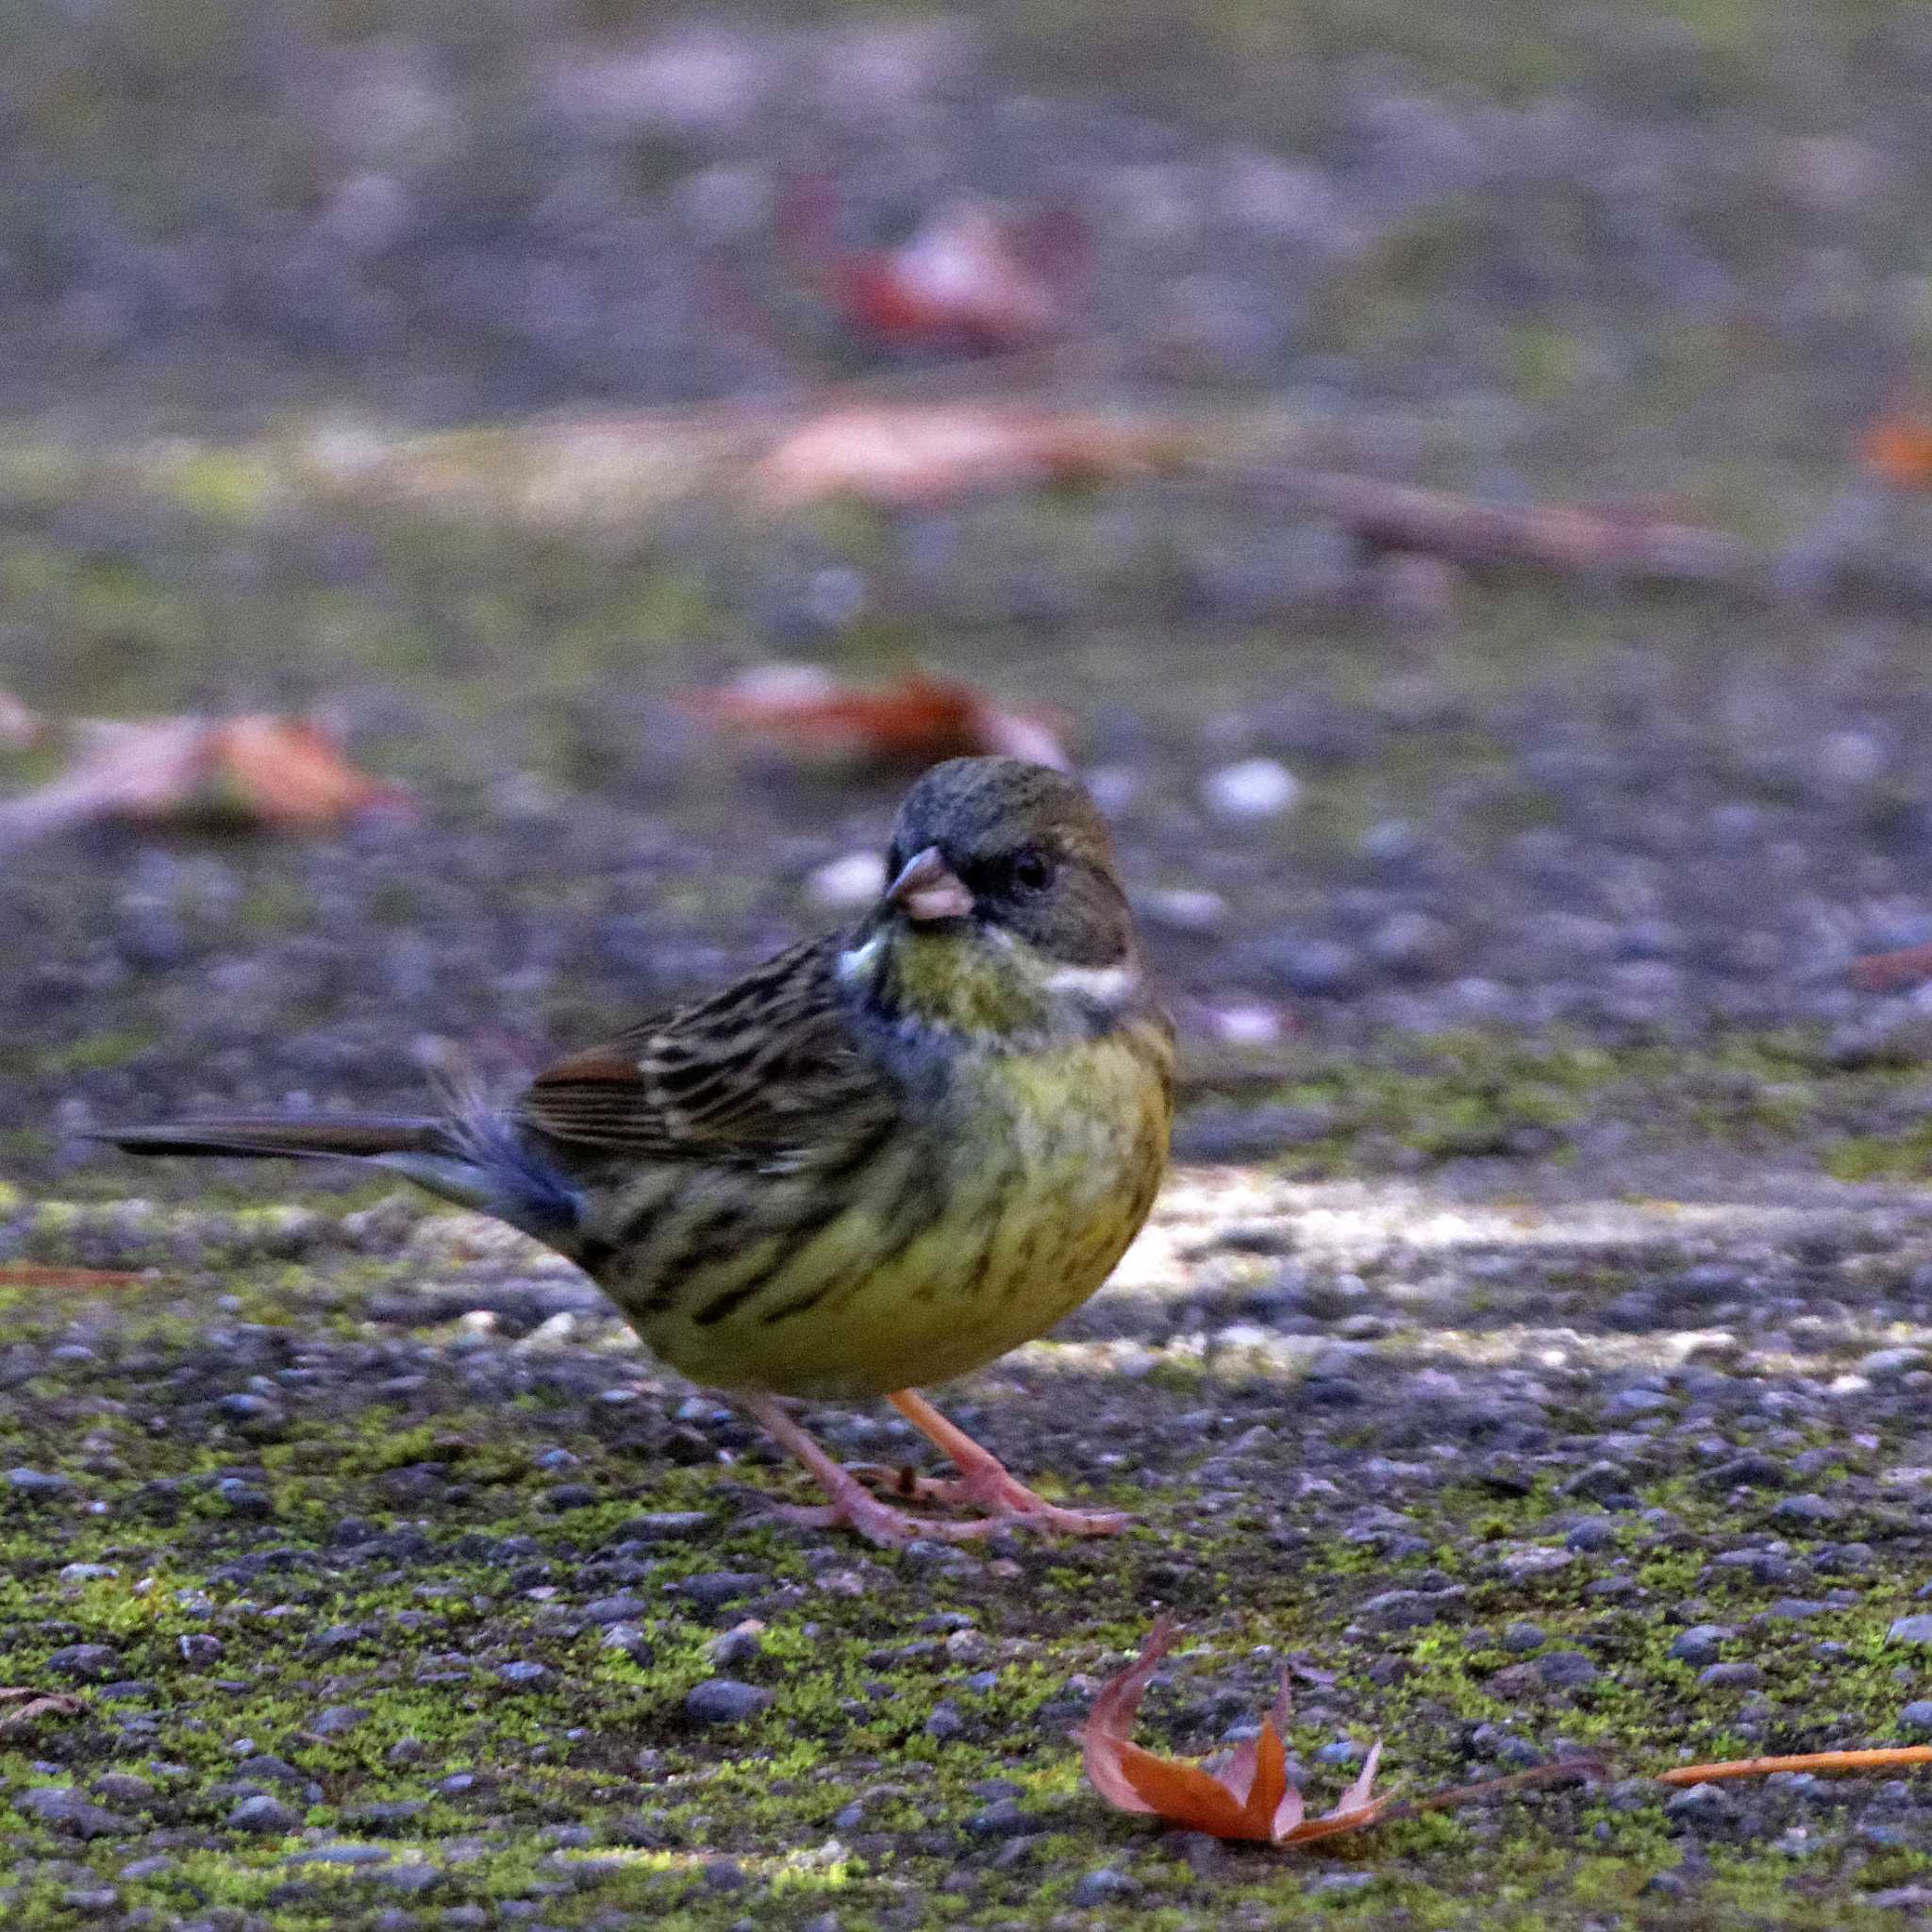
(1002, 1819)
(124, 1788)
(664, 1526)
(522, 1675)
(1915, 1629)
(199, 1651)
(1592, 1533)
(265, 1815)
(621, 1609)
(945, 1722)
(630, 1640)
(62, 1808)
(1731, 1677)
(1698, 1804)
(714, 1589)
(1523, 1636)
(1253, 789)
(1104, 1887)
(1602, 1481)
(337, 1720)
(847, 883)
(1700, 1644)
(1917, 1715)
(1414, 944)
(725, 1701)
(1803, 1509)
(1567, 1670)
(1884, 1364)
(96, 1663)
(1753, 1470)
(40, 1485)
(341, 1854)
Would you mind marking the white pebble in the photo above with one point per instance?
(1246, 1025)
(1254, 789)
(1185, 908)
(840, 885)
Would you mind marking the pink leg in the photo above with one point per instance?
(985, 1481)
(852, 1503)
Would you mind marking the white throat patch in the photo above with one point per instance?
(1106, 987)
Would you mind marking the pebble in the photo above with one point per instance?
(1732, 1676)
(848, 884)
(263, 1814)
(1104, 1887)
(89, 1664)
(40, 1484)
(1254, 789)
(1701, 1643)
(725, 1701)
(65, 1809)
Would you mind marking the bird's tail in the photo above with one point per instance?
(364, 1136)
(474, 1157)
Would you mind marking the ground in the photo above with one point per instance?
(1530, 1351)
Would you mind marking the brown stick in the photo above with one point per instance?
(1888, 972)
(1888, 1759)
(1485, 534)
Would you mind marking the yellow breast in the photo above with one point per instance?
(966, 1239)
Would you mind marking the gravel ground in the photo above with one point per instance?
(1532, 1347)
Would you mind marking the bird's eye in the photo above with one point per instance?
(1030, 868)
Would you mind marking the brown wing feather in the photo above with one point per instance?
(763, 1066)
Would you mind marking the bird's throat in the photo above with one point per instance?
(969, 981)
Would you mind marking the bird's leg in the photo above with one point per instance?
(851, 1502)
(985, 1481)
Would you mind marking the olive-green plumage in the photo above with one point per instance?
(883, 1157)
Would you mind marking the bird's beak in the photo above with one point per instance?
(927, 889)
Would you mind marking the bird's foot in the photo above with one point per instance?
(992, 1488)
(879, 1522)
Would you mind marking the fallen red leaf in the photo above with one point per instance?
(901, 454)
(283, 773)
(916, 719)
(1248, 1798)
(30, 1704)
(972, 277)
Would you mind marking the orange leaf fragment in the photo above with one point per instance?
(283, 773)
(916, 719)
(1898, 448)
(290, 774)
(1884, 1757)
(46, 1275)
(896, 456)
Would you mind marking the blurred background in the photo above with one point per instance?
(497, 502)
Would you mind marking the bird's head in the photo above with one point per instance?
(1002, 915)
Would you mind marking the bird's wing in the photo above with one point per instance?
(768, 1065)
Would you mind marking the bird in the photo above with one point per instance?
(884, 1158)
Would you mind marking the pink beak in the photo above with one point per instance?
(928, 889)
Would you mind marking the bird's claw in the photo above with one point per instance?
(1009, 1500)
(879, 1522)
